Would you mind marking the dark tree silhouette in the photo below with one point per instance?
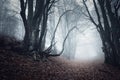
(35, 16)
(35, 22)
(108, 26)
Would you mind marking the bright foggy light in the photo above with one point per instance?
(89, 46)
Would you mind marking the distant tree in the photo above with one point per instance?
(8, 22)
(70, 17)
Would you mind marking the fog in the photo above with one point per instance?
(85, 40)
(89, 45)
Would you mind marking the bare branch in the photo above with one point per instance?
(92, 20)
(56, 29)
(22, 12)
(58, 24)
(64, 42)
(52, 3)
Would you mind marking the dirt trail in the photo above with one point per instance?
(18, 67)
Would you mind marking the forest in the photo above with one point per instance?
(60, 40)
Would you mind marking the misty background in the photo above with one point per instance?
(82, 44)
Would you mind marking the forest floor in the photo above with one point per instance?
(14, 66)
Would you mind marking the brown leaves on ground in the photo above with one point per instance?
(19, 67)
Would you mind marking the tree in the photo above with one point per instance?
(108, 27)
(35, 15)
